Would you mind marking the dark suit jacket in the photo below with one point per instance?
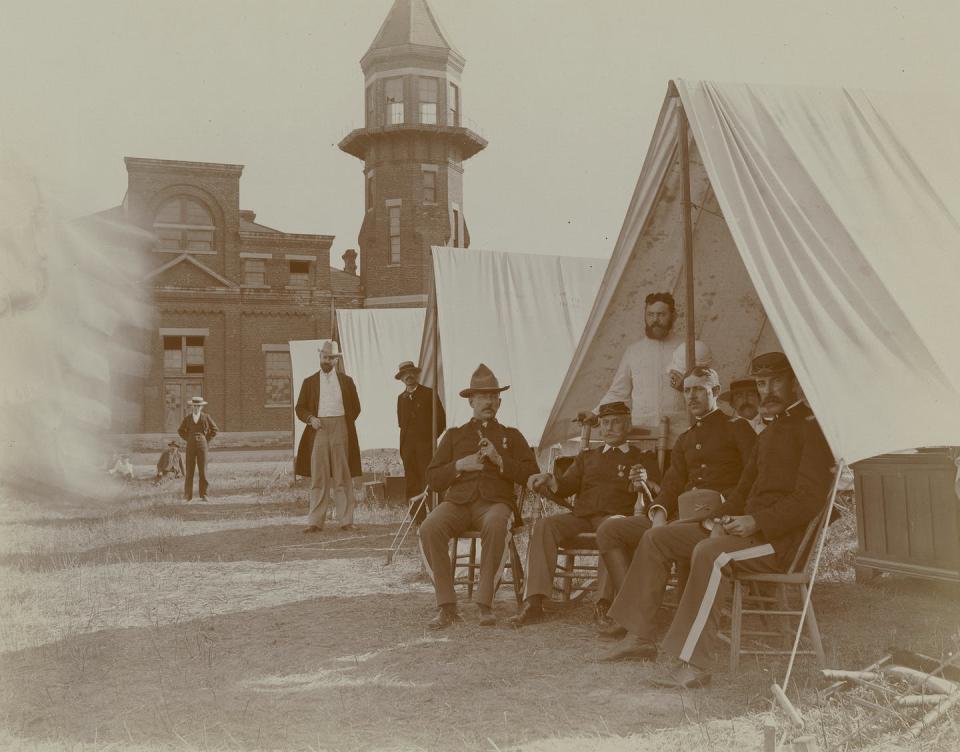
(205, 425)
(415, 416)
(308, 403)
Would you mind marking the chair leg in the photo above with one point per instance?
(813, 630)
(568, 563)
(471, 568)
(736, 625)
(517, 568)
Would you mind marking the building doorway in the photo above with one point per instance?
(176, 397)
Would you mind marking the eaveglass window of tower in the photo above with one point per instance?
(428, 101)
(184, 224)
(394, 94)
(371, 108)
(456, 228)
(394, 234)
(453, 104)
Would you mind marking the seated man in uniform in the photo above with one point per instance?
(476, 467)
(783, 487)
(710, 454)
(606, 481)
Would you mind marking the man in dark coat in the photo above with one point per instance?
(476, 467)
(198, 430)
(329, 453)
(761, 523)
(415, 418)
(171, 461)
(605, 480)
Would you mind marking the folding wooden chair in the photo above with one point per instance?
(767, 597)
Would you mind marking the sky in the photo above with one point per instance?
(567, 93)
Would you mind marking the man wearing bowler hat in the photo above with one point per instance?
(476, 467)
(710, 455)
(329, 453)
(198, 430)
(606, 480)
(415, 418)
(758, 526)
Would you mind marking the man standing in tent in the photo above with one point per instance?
(643, 378)
(415, 418)
(605, 480)
(760, 526)
(709, 456)
(476, 467)
(329, 452)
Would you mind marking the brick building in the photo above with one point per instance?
(229, 292)
(413, 147)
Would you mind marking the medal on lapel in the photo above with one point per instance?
(504, 442)
(620, 469)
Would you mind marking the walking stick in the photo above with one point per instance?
(401, 535)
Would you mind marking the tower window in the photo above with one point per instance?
(394, 94)
(428, 101)
(429, 187)
(394, 234)
(299, 274)
(184, 224)
(371, 107)
(369, 192)
(456, 228)
(453, 104)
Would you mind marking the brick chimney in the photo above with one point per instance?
(248, 215)
(350, 261)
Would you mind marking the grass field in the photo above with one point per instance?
(149, 624)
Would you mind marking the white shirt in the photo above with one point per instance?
(624, 447)
(331, 398)
(642, 381)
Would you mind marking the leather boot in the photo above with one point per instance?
(446, 616)
(487, 617)
(631, 648)
(531, 613)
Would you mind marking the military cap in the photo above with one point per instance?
(770, 364)
(698, 504)
(613, 408)
(483, 381)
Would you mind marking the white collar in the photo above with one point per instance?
(706, 415)
(624, 447)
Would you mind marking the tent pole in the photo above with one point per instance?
(685, 205)
(436, 387)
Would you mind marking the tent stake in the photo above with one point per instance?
(685, 207)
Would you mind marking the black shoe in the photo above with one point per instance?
(529, 614)
(487, 617)
(446, 616)
(683, 676)
(600, 617)
(631, 648)
(612, 631)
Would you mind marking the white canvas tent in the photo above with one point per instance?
(825, 220)
(519, 313)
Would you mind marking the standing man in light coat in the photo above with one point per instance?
(329, 452)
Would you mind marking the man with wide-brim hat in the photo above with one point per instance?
(329, 452)
(758, 528)
(170, 462)
(476, 468)
(709, 457)
(744, 398)
(198, 430)
(605, 481)
(417, 431)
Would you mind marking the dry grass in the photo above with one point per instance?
(148, 624)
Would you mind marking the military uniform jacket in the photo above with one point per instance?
(711, 454)
(600, 480)
(787, 480)
(415, 416)
(205, 425)
(491, 483)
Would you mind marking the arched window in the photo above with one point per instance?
(185, 225)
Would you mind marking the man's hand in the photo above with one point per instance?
(315, 422)
(470, 464)
(489, 451)
(658, 518)
(586, 417)
(539, 480)
(638, 475)
(742, 526)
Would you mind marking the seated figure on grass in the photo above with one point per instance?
(475, 467)
(605, 480)
(170, 463)
(759, 527)
(711, 454)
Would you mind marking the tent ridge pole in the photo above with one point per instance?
(686, 209)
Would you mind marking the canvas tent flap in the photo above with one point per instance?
(843, 208)
(519, 313)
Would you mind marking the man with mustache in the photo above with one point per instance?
(759, 527)
(329, 452)
(476, 467)
(711, 455)
(643, 378)
(415, 418)
(744, 398)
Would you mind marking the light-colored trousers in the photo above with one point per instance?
(329, 469)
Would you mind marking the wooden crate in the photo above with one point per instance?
(908, 515)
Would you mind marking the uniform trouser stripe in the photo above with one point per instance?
(710, 594)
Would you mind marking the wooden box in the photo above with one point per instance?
(908, 515)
